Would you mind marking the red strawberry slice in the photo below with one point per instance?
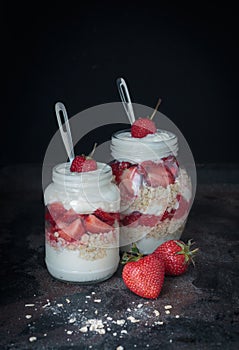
(168, 215)
(149, 220)
(75, 231)
(95, 225)
(107, 217)
(158, 175)
(118, 169)
(182, 209)
(69, 216)
(131, 180)
(172, 165)
(56, 210)
(132, 219)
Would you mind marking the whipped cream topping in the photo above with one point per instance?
(151, 147)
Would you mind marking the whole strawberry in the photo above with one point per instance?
(84, 163)
(144, 126)
(143, 275)
(176, 256)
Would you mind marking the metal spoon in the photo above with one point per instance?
(125, 98)
(66, 135)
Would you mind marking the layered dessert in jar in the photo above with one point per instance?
(156, 191)
(82, 223)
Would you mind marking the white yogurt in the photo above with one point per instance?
(67, 265)
(135, 150)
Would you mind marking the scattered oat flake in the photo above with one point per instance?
(69, 332)
(120, 322)
(170, 340)
(68, 301)
(92, 293)
(156, 312)
(114, 334)
(167, 312)
(44, 306)
(59, 305)
(132, 319)
(119, 347)
(72, 320)
(158, 322)
(128, 309)
(124, 331)
(96, 312)
(28, 316)
(97, 301)
(109, 318)
(167, 307)
(32, 339)
(88, 296)
(29, 305)
(83, 329)
(139, 306)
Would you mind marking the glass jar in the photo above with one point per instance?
(82, 224)
(156, 192)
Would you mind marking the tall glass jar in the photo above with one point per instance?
(81, 224)
(156, 192)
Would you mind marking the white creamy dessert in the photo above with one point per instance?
(82, 235)
(155, 191)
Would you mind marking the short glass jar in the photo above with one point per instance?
(156, 192)
(82, 224)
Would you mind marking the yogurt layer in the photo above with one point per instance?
(71, 265)
(135, 150)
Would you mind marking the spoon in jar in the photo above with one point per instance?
(125, 98)
(65, 133)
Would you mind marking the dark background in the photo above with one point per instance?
(186, 53)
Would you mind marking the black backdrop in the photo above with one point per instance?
(186, 53)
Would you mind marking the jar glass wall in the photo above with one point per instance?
(81, 224)
(156, 191)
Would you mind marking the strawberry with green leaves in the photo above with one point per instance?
(143, 275)
(176, 256)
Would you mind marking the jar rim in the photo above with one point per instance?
(147, 139)
(61, 174)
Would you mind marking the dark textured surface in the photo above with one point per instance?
(205, 298)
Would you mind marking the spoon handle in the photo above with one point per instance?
(66, 135)
(125, 98)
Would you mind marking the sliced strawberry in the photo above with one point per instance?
(75, 230)
(65, 236)
(158, 175)
(107, 217)
(182, 209)
(131, 180)
(168, 215)
(132, 219)
(95, 225)
(56, 210)
(172, 165)
(118, 168)
(149, 220)
(69, 216)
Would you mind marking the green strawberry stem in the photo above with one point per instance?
(185, 250)
(132, 255)
(155, 109)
